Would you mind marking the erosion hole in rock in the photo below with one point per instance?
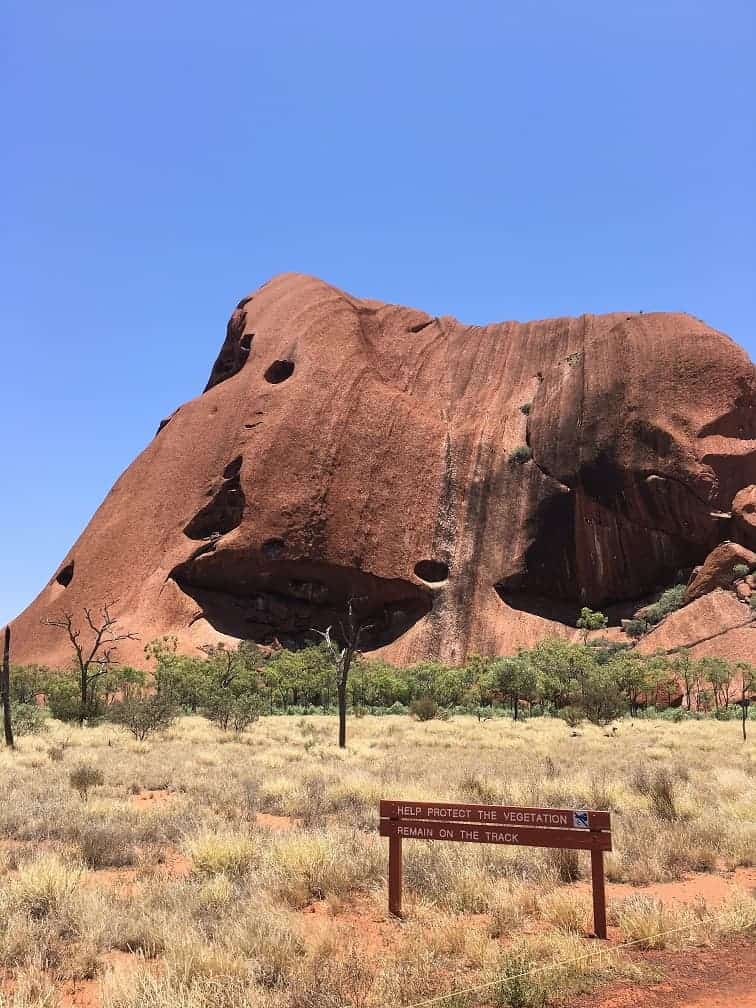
(432, 571)
(221, 515)
(233, 468)
(245, 594)
(65, 575)
(279, 371)
(246, 342)
(274, 548)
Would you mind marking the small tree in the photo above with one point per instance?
(93, 659)
(590, 619)
(351, 628)
(515, 678)
(143, 713)
(747, 675)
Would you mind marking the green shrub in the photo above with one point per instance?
(521, 454)
(521, 985)
(63, 698)
(27, 719)
(83, 777)
(635, 628)
(752, 601)
(424, 708)
(143, 715)
(525, 408)
(572, 715)
(741, 570)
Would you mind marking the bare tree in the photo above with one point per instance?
(342, 656)
(5, 690)
(99, 651)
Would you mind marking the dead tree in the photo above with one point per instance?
(5, 690)
(342, 656)
(100, 650)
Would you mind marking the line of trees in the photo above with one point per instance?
(597, 680)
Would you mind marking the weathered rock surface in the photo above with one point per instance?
(348, 447)
(718, 570)
(744, 516)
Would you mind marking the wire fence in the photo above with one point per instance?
(598, 952)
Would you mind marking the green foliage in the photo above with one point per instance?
(424, 708)
(591, 620)
(27, 718)
(27, 682)
(63, 698)
(741, 570)
(752, 601)
(521, 454)
(229, 710)
(525, 408)
(636, 628)
(143, 713)
(669, 601)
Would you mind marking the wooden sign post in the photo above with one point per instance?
(498, 824)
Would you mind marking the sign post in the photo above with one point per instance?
(498, 824)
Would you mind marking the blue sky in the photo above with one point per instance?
(490, 160)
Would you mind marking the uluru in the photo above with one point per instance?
(474, 485)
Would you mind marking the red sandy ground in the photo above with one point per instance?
(697, 978)
(704, 978)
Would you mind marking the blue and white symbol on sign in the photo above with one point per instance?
(580, 820)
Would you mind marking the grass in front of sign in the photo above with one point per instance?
(244, 871)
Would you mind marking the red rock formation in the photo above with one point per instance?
(718, 570)
(344, 446)
(744, 516)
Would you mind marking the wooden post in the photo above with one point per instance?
(395, 876)
(5, 690)
(599, 893)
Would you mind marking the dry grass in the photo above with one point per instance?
(80, 879)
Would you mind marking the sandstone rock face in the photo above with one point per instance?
(718, 569)
(744, 516)
(473, 486)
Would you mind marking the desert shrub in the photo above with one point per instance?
(670, 600)
(143, 715)
(424, 709)
(572, 714)
(566, 864)
(752, 601)
(227, 710)
(660, 790)
(525, 408)
(741, 570)
(104, 845)
(519, 987)
(230, 853)
(44, 887)
(63, 698)
(521, 454)
(565, 910)
(83, 777)
(636, 627)
(644, 920)
(27, 719)
(27, 682)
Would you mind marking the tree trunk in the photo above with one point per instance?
(515, 706)
(5, 690)
(342, 712)
(83, 689)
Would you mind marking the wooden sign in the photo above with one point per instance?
(567, 829)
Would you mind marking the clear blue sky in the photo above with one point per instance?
(491, 160)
